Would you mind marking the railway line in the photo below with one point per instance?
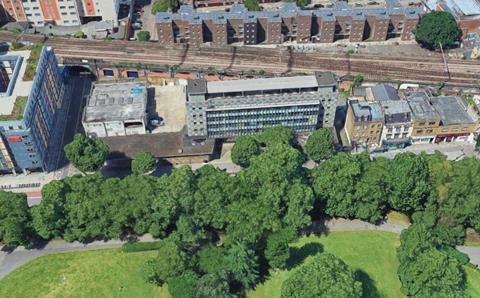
(429, 69)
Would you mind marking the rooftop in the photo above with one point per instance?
(452, 110)
(384, 92)
(238, 11)
(297, 82)
(116, 101)
(462, 8)
(421, 108)
(161, 145)
(368, 110)
(396, 111)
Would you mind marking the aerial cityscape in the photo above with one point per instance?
(240, 148)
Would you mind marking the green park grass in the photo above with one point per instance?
(112, 273)
(372, 254)
(100, 273)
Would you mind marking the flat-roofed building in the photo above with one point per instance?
(225, 109)
(116, 109)
(456, 124)
(425, 119)
(397, 129)
(364, 123)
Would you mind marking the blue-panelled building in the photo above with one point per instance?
(31, 143)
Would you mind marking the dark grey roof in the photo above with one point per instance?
(396, 111)
(198, 86)
(384, 92)
(360, 91)
(452, 110)
(421, 107)
(238, 11)
(325, 79)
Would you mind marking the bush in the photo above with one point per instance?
(143, 36)
(141, 246)
(16, 45)
(79, 34)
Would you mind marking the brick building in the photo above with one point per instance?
(465, 12)
(289, 23)
(364, 123)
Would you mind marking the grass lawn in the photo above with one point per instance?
(112, 273)
(100, 273)
(371, 253)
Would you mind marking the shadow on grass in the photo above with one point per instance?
(368, 285)
(298, 255)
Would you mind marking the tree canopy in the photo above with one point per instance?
(252, 5)
(86, 154)
(15, 220)
(437, 27)
(143, 163)
(244, 149)
(324, 276)
(164, 5)
(320, 144)
(143, 36)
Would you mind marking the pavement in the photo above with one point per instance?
(453, 151)
(473, 252)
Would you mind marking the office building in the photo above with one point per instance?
(456, 124)
(116, 109)
(226, 109)
(288, 23)
(32, 142)
(425, 119)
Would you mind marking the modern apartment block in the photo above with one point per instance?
(210, 3)
(227, 109)
(116, 109)
(61, 12)
(288, 23)
(32, 143)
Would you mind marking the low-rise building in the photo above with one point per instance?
(116, 109)
(364, 123)
(227, 109)
(397, 129)
(456, 124)
(382, 92)
(425, 119)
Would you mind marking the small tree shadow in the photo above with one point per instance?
(298, 255)
(368, 285)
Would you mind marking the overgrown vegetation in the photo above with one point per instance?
(18, 108)
(35, 52)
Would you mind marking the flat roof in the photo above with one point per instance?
(421, 108)
(262, 84)
(384, 92)
(452, 110)
(116, 102)
(161, 145)
(366, 109)
(463, 7)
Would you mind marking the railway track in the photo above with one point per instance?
(429, 69)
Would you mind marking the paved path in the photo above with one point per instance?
(473, 252)
(9, 261)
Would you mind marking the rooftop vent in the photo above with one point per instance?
(330, 14)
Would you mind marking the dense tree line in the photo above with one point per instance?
(221, 233)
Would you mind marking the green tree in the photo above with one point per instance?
(164, 5)
(325, 276)
(183, 286)
(189, 233)
(408, 182)
(86, 154)
(300, 3)
(251, 5)
(244, 149)
(275, 135)
(242, 263)
(79, 34)
(172, 261)
(433, 273)
(214, 188)
(277, 250)
(143, 36)
(213, 285)
(477, 144)
(211, 259)
(320, 144)
(143, 162)
(437, 28)
(15, 220)
(49, 218)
